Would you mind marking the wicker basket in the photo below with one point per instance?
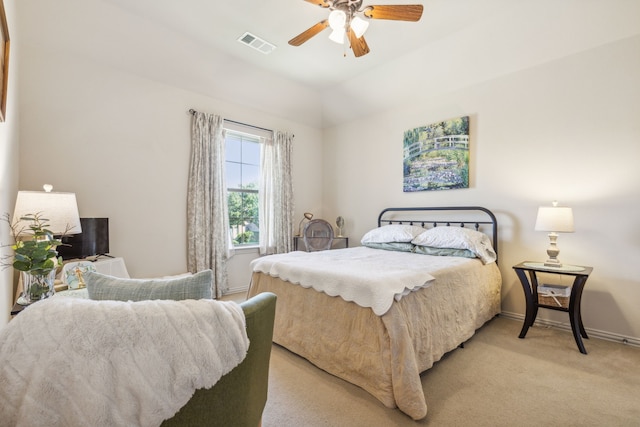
(550, 301)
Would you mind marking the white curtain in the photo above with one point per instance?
(276, 195)
(207, 218)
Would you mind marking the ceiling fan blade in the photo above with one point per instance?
(358, 45)
(306, 35)
(321, 3)
(407, 12)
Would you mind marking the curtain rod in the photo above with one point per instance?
(192, 112)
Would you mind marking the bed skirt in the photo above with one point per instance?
(385, 355)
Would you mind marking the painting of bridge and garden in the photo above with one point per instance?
(436, 156)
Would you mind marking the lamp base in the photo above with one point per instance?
(553, 251)
(552, 262)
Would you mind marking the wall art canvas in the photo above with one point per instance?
(436, 156)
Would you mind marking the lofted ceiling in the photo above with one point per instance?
(193, 44)
(318, 63)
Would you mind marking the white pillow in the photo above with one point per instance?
(458, 238)
(392, 233)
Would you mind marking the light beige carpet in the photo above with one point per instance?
(495, 380)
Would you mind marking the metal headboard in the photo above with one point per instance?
(387, 217)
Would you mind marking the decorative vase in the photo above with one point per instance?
(340, 224)
(36, 286)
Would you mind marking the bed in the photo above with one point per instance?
(383, 348)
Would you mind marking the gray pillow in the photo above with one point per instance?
(103, 287)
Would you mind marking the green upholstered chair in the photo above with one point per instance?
(239, 397)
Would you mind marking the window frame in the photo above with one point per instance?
(252, 134)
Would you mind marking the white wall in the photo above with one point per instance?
(122, 144)
(566, 130)
(9, 150)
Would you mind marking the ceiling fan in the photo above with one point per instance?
(344, 21)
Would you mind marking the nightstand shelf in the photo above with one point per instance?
(535, 300)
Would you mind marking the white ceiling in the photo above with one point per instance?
(193, 44)
(319, 62)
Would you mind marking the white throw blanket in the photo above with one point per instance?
(77, 362)
(369, 277)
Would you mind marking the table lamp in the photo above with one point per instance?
(60, 210)
(554, 219)
(308, 216)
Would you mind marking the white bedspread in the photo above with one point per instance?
(77, 362)
(368, 277)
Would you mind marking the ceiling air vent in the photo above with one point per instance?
(257, 43)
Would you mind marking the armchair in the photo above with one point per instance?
(239, 397)
(129, 372)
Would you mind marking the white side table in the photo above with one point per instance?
(112, 267)
(106, 265)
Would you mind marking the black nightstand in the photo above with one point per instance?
(534, 300)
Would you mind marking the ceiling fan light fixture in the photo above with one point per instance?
(337, 19)
(345, 24)
(337, 35)
(359, 26)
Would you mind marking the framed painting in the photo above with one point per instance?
(436, 156)
(4, 58)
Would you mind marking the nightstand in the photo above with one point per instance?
(569, 303)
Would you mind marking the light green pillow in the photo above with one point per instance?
(103, 287)
(428, 250)
(390, 246)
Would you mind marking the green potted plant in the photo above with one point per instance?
(35, 257)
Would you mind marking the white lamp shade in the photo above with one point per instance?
(337, 35)
(337, 19)
(359, 26)
(556, 219)
(60, 210)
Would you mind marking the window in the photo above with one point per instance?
(243, 182)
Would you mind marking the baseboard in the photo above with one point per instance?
(595, 333)
(237, 290)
